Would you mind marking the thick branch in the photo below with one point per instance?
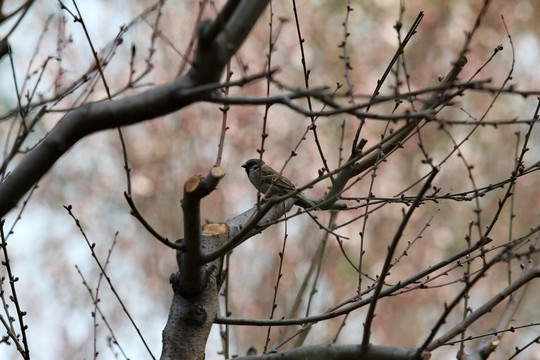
(249, 223)
(192, 279)
(192, 275)
(191, 318)
(212, 55)
(195, 286)
(4, 47)
(340, 352)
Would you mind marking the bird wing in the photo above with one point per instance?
(287, 183)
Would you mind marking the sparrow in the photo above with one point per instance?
(269, 179)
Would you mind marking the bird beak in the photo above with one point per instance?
(244, 166)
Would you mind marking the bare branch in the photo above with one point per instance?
(485, 308)
(192, 280)
(212, 55)
(390, 255)
(341, 352)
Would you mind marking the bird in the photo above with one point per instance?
(270, 183)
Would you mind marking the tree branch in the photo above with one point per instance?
(352, 168)
(340, 352)
(485, 308)
(249, 223)
(192, 279)
(390, 256)
(210, 59)
(358, 303)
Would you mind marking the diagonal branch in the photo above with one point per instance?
(212, 55)
(485, 308)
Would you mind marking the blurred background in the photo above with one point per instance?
(50, 53)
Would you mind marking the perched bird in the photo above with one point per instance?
(269, 179)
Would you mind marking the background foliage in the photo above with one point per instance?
(50, 54)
